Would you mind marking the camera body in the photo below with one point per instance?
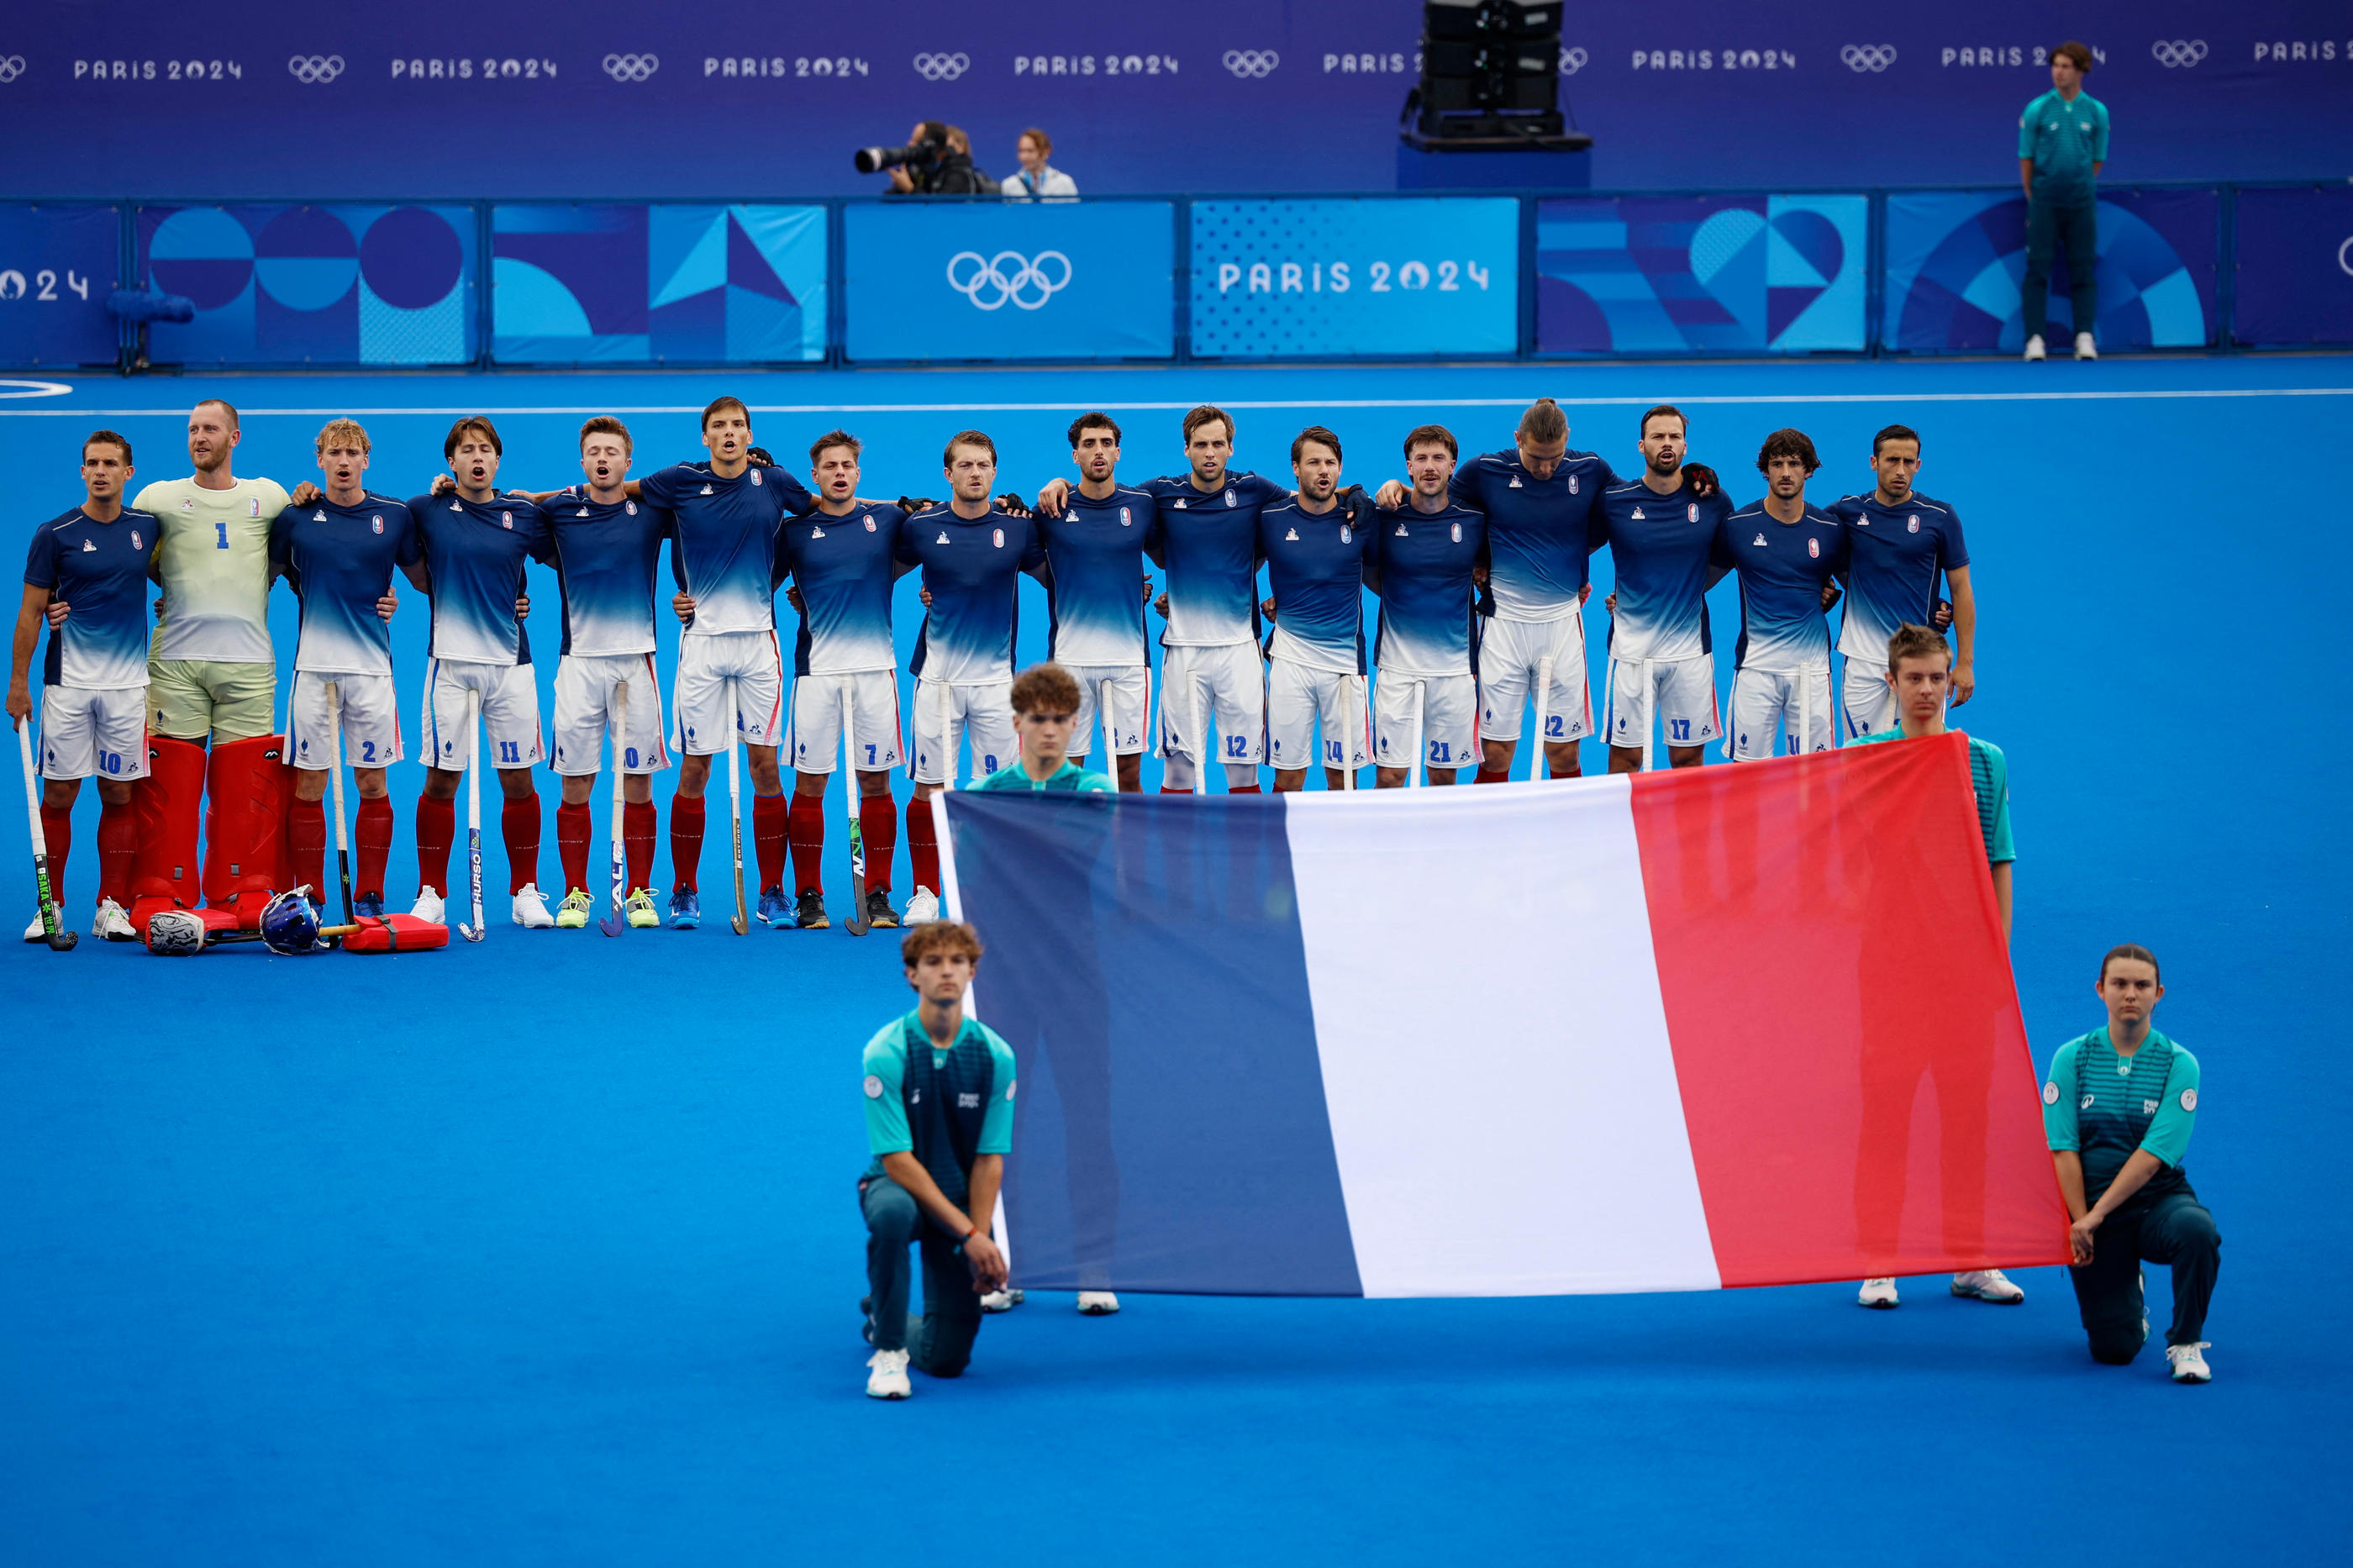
(915, 157)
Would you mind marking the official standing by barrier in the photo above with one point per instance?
(2063, 144)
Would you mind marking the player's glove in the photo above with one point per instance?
(1352, 502)
(760, 456)
(1701, 480)
(912, 504)
(1011, 501)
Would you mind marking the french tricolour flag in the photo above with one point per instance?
(1733, 1026)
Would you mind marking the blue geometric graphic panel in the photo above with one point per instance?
(58, 261)
(611, 283)
(313, 285)
(1956, 258)
(1777, 274)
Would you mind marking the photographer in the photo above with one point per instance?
(936, 162)
(1037, 178)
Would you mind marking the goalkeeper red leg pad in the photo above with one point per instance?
(249, 788)
(168, 805)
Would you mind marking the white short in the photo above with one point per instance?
(1229, 684)
(1509, 655)
(708, 667)
(945, 714)
(1297, 696)
(815, 734)
(586, 688)
(1870, 702)
(367, 714)
(509, 694)
(1685, 689)
(1449, 720)
(1769, 703)
(93, 733)
(1131, 707)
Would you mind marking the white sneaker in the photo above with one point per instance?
(2188, 1366)
(1098, 1303)
(531, 909)
(922, 909)
(2034, 348)
(1876, 1293)
(37, 930)
(110, 924)
(888, 1378)
(2085, 347)
(1003, 1300)
(1987, 1284)
(428, 907)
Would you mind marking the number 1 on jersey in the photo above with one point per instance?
(221, 530)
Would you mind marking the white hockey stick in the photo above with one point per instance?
(742, 924)
(335, 777)
(613, 923)
(1544, 716)
(850, 789)
(951, 744)
(1805, 711)
(1200, 737)
(1358, 725)
(1110, 729)
(476, 932)
(1413, 768)
(1651, 717)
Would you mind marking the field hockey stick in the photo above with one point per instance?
(616, 919)
(1544, 716)
(1110, 729)
(743, 921)
(476, 932)
(1413, 768)
(1200, 736)
(53, 920)
(1805, 710)
(1358, 726)
(335, 790)
(1649, 714)
(943, 703)
(857, 923)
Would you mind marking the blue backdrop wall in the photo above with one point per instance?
(632, 98)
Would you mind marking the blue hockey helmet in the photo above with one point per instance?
(289, 923)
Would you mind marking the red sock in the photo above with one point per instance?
(56, 837)
(1243, 789)
(1485, 776)
(878, 823)
(805, 826)
(307, 835)
(574, 826)
(117, 851)
(685, 840)
(923, 847)
(637, 842)
(520, 823)
(1166, 789)
(436, 826)
(771, 815)
(373, 836)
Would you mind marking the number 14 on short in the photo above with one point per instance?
(1338, 277)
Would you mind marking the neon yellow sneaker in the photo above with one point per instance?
(641, 911)
(574, 911)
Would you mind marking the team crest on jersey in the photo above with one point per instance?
(1346, 533)
(375, 524)
(755, 477)
(134, 540)
(1458, 533)
(1760, 539)
(1691, 512)
(506, 520)
(997, 537)
(1125, 520)
(629, 507)
(1813, 549)
(1572, 484)
(869, 522)
(1230, 498)
(1912, 523)
(254, 507)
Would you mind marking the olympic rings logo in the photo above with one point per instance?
(1248, 63)
(990, 274)
(11, 66)
(315, 71)
(631, 68)
(1573, 58)
(942, 67)
(1868, 57)
(2179, 53)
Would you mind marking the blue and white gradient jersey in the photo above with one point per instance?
(99, 569)
(1094, 583)
(973, 570)
(1208, 542)
(474, 557)
(1897, 556)
(1782, 568)
(1541, 533)
(844, 567)
(1425, 588)
(1315, 570)
(339, 559)
(725, 530)
(1662, 546)
(606, 556)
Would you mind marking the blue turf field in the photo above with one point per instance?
(547, 1250)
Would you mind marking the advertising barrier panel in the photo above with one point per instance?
(954, 280)
(1955, 259)
(58, 263)
(2296, 267)
(1329, 279)
(313, 285)
(632, 284)
(1702, 274)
